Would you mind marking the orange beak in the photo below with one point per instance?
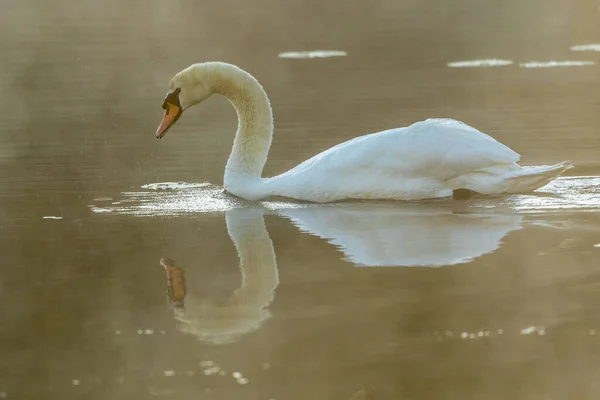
(172, 114)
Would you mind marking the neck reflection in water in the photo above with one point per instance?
(247, 308)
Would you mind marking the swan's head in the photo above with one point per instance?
(188, 87)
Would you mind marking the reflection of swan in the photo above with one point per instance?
(246, 309)
(380, 236)
(428, 159)
(389, 236)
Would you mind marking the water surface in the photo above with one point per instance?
(448, 299)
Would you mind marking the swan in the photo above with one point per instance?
(428, 159)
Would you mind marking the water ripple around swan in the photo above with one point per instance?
(577, 193)
(176, 198)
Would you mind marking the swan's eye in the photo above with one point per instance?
(172, 98)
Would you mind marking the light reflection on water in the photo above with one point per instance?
(246, 309)
(436, 233)
(313, 54)
(488, 62)
(576, 193)
(573, 193)
(586, 47)
(494, 62)
(553, 64)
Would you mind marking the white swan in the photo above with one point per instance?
(428, 159)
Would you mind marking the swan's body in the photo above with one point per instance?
(428, 159)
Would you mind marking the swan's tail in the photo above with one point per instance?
(528, 179)
(516, 180)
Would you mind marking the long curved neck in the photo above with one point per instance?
(255, 129)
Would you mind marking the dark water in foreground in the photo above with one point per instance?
(489, 298)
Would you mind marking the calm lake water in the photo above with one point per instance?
(120, 285)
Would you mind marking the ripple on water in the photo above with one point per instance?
(567, 193)
(174, 185)
(488, 62)
(313, 54)
(586, 47)
(554, 64)
(175, 198)
(576, 193)
(171, 198)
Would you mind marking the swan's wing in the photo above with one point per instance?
(435, 148)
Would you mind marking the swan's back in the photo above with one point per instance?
(456, 146)
(443, 146)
